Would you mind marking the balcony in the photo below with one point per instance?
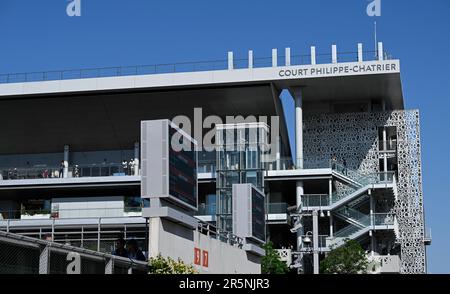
(288, 163)
(308, 243)
(277, 213)
(76, 213)
(315, 201)
(384, 264)
(182, 67)
(75, 171)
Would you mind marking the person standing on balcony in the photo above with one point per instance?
(344, 168)
(61, 169)
(125, 167)
(333, 161)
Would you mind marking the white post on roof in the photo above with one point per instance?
(334, 54)
(288, 56)
(230, 60)
(380, 51)
(313, 55)
(274, 57)
(360, 52)
(250, 58)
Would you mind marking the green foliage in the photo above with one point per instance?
(347, 259)
(161, 265)
(271, 263)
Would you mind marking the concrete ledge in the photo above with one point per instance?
(56, 182)
(256, 250)
(172, 215)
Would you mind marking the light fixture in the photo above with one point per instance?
(322, 214)
(306, 238)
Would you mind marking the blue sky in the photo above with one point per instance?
(39, 36)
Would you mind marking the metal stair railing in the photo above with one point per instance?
(348, 213)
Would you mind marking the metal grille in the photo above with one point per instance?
(25, 255)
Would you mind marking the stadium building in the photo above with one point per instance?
(72, 155)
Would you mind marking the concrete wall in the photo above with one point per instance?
(83, 207)
(176, 241)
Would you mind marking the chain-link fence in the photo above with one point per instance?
(24, 255)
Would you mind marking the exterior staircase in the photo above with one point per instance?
(344, 203)
(358, 184)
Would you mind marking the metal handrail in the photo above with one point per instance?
(221, 64)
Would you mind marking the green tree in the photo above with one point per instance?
(347, 259)
(161, 265)
(271, 263)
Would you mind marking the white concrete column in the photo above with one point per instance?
(372, 243)
(330, 191)
(360, 52)
(230, 60)
(298, 128)
(66, 161)
(371, 206)
(313, 55)
(334, 54)
(287, 56)
(136, 158)
(331, 225)
(380, 51)
(316, 241)
(250, 58)
(278, 153)
(274, 57)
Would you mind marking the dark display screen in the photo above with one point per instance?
(258, 216)
(183, 172)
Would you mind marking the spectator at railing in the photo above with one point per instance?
(61, 169)
(120, 248)
(133, 250)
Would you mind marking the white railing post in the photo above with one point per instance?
(380, 51)
(250, 58)
(313, 55)
(360, 52)
(274, 57)
(333, 54)
(230, 60)
(288, 56)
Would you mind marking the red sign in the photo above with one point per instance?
(197, 256)
(205, 257)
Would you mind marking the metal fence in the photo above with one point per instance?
(25, 255)
(238, 63)
(96, 234)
